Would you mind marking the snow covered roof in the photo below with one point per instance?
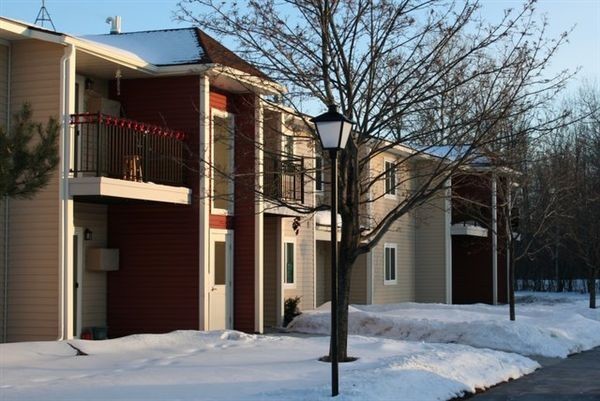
(176, 47)
(455, 152)
(166, 47)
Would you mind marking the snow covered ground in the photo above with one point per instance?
(451, 353)
(547, 324)
(190, 365)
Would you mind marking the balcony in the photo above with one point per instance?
(284, 178)
(121, 158)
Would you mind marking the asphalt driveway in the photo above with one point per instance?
(576, 378)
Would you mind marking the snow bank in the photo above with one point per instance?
(228, 365)
(549, 326)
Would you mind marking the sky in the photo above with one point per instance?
(88, 17)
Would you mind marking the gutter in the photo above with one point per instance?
(64, 193)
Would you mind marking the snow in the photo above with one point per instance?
(421, 351)
(166, 47)
(548, 325)
(229, 365)
(323, 218)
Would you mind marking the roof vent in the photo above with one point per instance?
(115, 24)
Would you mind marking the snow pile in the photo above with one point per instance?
(190, 365)
(552, 327)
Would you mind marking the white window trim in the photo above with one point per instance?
(395, 189)
(231, 117)
(285, 241)
(395, 280)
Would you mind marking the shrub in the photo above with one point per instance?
(290, 310)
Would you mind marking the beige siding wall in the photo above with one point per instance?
(431, 256)
(270, 271)
(34, 224)
(358, 282)
(401, 233)
(305, 272)
(92, 217)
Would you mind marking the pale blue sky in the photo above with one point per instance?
(88, 17)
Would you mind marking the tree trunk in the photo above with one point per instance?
(592, 288)
(511, 281)
(343, 303)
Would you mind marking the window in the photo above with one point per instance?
(222, 162)
(389, 263)
(318, 173)
(289, 263)
(390, 178)
(288, 146)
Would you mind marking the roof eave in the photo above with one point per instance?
(255, 84)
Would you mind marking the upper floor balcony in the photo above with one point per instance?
(120, 158)
(284, 178)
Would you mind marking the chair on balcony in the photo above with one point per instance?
(132, 168)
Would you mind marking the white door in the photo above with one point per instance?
(220, 295)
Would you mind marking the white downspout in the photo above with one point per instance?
(494, 241)
(6, 206)
(204, 204)
(66, 229)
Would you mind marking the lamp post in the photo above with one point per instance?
(333, 130)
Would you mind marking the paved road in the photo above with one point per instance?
(576, 378)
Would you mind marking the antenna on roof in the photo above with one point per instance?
(44, 16)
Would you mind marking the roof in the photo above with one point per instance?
(176, 47)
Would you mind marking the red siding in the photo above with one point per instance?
(156, 287)
(244, 213)
(222, 222)
(472, 275)
(220, 100)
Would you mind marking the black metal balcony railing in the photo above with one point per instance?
(107, 146)
(284, 177)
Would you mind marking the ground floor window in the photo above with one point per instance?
(289, 262)
(390, 257)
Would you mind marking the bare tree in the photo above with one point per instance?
(582, 146)
(429, 76)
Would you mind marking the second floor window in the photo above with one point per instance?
(390, 177)
(222, 161)
(318, 173)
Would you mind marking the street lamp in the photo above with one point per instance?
(333, 130)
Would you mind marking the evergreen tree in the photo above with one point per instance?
(28, 155)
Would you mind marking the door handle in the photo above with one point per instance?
(213, 289)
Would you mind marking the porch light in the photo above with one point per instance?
(87, 234)
(333, 130)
